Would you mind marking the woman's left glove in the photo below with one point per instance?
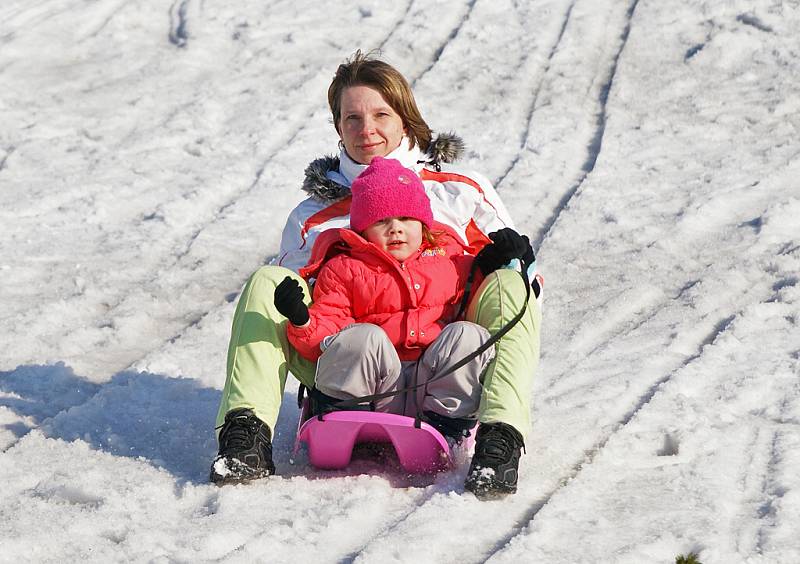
(289, 301)
(506, 245)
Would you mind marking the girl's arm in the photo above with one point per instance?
(331, 311)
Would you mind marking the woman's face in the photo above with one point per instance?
(401, 237)
(368, 125)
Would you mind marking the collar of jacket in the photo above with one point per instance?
(332, 242)
(328, 178)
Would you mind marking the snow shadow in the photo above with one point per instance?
(32, 394)
(167, 421)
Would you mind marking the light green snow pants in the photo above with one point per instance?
(260, 356)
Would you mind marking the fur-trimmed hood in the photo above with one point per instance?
(445, 148)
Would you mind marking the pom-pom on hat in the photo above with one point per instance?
(387, 189)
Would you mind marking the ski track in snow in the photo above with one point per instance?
(93, 29)
(761, 466)
(437, 55)
(520, 526)
(532, 106)
(405, 17)
(178, 34)
(596, 144)
(34, 16)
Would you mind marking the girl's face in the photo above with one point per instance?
(401, 237)
(368, 125)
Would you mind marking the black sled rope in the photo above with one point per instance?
(490, 342)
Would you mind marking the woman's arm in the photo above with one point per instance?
(466, 201)
(490, 211)
(310, 218)
(294, 252)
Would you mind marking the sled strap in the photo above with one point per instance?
(418, 404)
(321, 404)
(462, 309)
(467, 359)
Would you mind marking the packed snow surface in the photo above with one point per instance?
(150, 153)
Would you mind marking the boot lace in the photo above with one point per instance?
(240, 432)
(496, 445)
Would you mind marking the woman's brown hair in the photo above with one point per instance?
(364, 70)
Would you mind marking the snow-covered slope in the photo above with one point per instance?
(149, 154)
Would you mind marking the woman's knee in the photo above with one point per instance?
(499, 298)
(505, 283)
(272, 275)
(262, 284)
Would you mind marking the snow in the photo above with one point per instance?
(149, 155)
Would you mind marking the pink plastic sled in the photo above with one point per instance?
(330, 441)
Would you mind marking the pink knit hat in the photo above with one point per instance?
(387, 189)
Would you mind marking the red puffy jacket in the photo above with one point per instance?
(411, 301)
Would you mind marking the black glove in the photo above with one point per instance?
(289, 301)
(528, 258)
(506, 245)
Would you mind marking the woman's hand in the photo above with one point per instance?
(506, 245)
(289, 301)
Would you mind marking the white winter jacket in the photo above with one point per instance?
(464, 200)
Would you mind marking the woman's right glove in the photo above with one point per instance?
(506, 245)
(289, 301)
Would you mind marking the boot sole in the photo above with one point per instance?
(239, 473)
(488, 492)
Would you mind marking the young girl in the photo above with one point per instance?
(385, 302)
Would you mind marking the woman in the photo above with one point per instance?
(375, 114)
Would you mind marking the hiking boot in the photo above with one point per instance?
(494, 468)
(454, 430)
(245, 449)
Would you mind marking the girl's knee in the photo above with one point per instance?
(465, 330)
(459, 339)
(363, 335)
